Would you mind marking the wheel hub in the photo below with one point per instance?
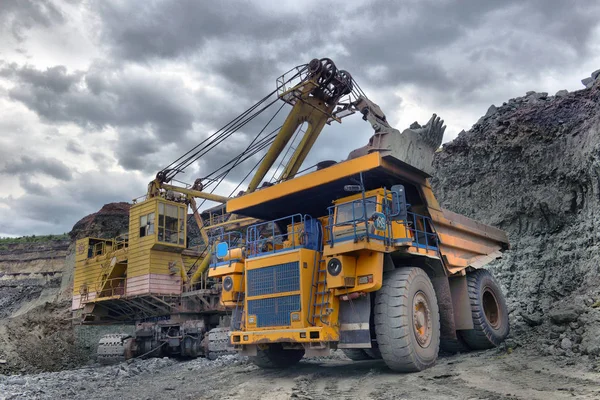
(422, 325)
(491, 308)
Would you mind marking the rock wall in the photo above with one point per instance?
(532, 168)
(110, 221)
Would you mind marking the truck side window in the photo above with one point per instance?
(353, 211)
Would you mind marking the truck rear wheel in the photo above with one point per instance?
(488, 310)
(356, 354)
(275, 356)
(407, 320)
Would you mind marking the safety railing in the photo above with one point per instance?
(234, 239)
(99, 248)
(267, 238)
(120, 242)
(214, 219)
(111, 287)
(422, 231)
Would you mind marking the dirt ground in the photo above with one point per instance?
(480, 375)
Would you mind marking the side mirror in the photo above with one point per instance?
(399, 206)
(222, 249)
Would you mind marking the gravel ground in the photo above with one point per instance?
(493, 374)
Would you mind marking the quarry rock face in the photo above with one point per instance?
(532, 168)
(110, 221)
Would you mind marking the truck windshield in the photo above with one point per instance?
(349, 212)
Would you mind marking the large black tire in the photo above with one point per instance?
(356, 354)
(407, 320)
(489, 312)
(274, 356)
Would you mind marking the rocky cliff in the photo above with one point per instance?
(532, 167)
(110, 221)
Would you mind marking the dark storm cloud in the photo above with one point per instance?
(56, 209)
(103, 96)
(383, 43)
(31, 187)
(27, 165)
(18, 16)
(74, 147)
(147, 110)
(55, 79)
(142, 30)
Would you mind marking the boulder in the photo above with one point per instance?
(491, 111)
(565, 315)
(588, 82)
(562, 93)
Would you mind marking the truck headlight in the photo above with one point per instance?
(334, 267)
(227, 283)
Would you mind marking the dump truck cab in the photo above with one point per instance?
(326, 276)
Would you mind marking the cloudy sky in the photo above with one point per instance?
(97, 96)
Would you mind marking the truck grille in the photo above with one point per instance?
(274, 311)
(274, 279)
(281, 278)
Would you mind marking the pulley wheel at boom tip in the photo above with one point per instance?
(314, 66)
(346, 80)
(329, 71)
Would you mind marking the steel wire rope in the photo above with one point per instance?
(177, 165)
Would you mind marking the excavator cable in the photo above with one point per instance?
(220, 135)
(178, 163)
(256, 148)
(248, 148)
(221, 138)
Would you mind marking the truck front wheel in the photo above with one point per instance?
(407, 320)
(274, 356)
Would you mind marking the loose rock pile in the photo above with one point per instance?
(532, 167)
(89, 382)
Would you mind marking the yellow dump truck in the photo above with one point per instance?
(363, 259)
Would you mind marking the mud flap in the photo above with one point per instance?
(444, 298)
(354, 323)
(452, 314)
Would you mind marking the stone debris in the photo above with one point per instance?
(52, 385)
(591, 80)
(562, 93)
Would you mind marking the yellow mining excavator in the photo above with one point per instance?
(356, 255)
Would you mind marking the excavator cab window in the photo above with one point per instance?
(147, 225)
(171, 224)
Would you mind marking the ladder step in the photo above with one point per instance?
(321, 293)
(321, 304)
